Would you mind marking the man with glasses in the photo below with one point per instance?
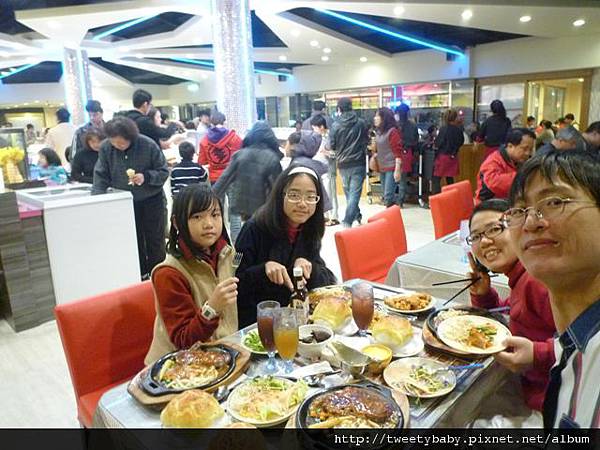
(554, 228)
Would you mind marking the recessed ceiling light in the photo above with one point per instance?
(25, 104)
(193, 87)
(37, 101)
(295, 32)
(325, 58)
(189, 55)
(4, 72)
(399, 10)
(53, 25)
(525, 19)
(363, 59)
(204, 75)
(580, 80)
(579, 23)
(282, 58)
(124, 49)
(314, 43)
(467, 14)
(3, 54)
(139, 56)
(326, 50)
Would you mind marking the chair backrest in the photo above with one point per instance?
(365, 252)
(446, 212)
(397, 231)
(106, 337)
(466, 196)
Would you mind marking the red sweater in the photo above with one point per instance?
(530, 317)
(218, 154)
(496, 176)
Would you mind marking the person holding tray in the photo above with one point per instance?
(531, 321)
(194, 288)
(286, 232)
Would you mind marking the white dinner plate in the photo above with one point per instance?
(452, 330)
(398, 371)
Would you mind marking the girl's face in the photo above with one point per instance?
(157, 118)
(42, 161)
(289, 148)
(495, 253)
(377, 120)
(94, 143)
(302, 188)
(206, 227)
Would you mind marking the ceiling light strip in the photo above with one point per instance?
(20, 69)
(212, 64)
(122, 27)
(391, 33)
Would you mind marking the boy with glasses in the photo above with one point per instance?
(554, 227)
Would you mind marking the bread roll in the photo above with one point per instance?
(334, 312)
(191, 409)
(392, 331)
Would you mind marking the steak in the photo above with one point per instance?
(353, 401)
(203, 358)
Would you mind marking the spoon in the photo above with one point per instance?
(222, 393)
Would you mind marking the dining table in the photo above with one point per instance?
(439, 261)
(118, 409)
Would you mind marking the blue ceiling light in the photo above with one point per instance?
(391, 33)
(121, 27)
(212, 64)
(13, 72)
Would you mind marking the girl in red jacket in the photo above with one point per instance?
(531, 321)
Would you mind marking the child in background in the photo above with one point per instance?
(187, 171)
(50, 167)
(194, 287)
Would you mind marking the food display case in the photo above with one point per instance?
(13, 156)
(91, 239)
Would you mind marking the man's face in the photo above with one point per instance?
(593, 138)
(120, 143)
(145, 108)
(96, 118)
(522, 151)
(565, 144)
(566, 247)
(205, 119)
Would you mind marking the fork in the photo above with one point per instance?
(237, 260)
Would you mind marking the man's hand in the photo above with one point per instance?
(518, 357)
(138, 179)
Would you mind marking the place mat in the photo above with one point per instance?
(399, 397)
(435, 343)
(136, 391)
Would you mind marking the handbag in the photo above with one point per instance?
(373, 163)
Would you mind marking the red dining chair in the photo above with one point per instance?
(397, 233)
(105, 339)
(365, 252)
(466, 196)
(446, 212)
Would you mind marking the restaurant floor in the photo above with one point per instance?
(36, 388)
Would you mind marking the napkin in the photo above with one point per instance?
(311, 369)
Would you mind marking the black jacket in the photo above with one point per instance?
(82, 167)
(494, 130)
(410, 134)
(143, 156)
(249, 178)
(348, 138)
(148, 128)
(449, 140)
(259, 247)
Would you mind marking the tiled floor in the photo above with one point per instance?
(36, 388)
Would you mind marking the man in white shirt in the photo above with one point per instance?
(61, 136)
(554, 226)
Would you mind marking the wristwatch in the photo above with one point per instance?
(208, 312)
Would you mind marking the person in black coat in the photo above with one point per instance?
(284, 233)
(82, 167)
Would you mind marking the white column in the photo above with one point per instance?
(78, 87)
(234, 69)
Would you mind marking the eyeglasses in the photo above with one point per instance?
(296, 197)
(490, 233)
(547, 208)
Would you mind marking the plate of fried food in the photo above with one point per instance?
(420, 377)
(265, 401)
(198, 367)
(336, 291)
(476, 335)
(362, 405)
(410, 303)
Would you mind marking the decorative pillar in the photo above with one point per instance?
(234, 68)
(78, 87)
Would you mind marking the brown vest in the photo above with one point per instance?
(202, 281)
